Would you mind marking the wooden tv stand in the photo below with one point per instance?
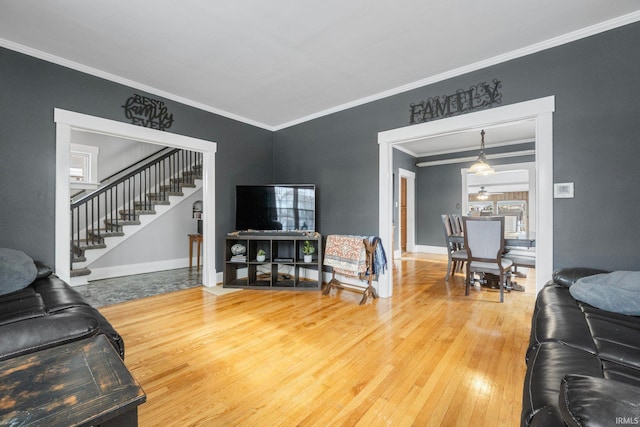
(284, 267)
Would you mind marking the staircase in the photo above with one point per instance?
(106, 217)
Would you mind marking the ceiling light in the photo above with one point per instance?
(481, 167)
(483, 194)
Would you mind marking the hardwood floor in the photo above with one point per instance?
(428, 356)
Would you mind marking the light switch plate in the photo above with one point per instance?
(563, 190)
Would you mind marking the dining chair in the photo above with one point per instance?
(484, 243)
(456, 257)
(456, 223)
(510, 224)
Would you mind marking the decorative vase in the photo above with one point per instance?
(261, 258)
(238, 249)
(308, 258)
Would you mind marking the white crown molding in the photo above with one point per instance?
(126, 82)
(534, 48)
(556, 41)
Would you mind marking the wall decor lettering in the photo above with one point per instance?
(483, 95)
(147, 112)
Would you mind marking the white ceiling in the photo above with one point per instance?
(280, 62)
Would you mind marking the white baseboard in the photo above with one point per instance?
(441, 250)
(128, 270)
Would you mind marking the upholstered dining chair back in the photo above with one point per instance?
(484, 237)
(484, 242)
(510, 223)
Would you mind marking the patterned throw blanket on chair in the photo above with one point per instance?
(346, 254)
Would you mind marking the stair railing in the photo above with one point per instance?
(121, 201)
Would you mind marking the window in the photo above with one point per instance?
(83, 166)
(296, 208)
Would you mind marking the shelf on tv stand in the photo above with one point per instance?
(284, 267)
(268, 233)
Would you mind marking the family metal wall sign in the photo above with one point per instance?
(147, 112)
(483, 95)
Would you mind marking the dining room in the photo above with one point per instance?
(442, 183)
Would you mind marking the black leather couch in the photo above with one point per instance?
(583, 363)
(48, 313)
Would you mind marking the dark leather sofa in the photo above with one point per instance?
(583, 363)
(48, 313)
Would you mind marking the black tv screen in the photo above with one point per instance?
(283, 207)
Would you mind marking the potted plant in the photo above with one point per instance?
(308, 250)
(262, 255)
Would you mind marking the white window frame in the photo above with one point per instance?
(90, 154)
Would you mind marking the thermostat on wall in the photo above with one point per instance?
(563, 190)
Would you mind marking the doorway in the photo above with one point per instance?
(403, 214)
(406, 211)
(67, 123)
(540, 110)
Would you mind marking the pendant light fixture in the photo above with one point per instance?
(483, 194)
(481, 167)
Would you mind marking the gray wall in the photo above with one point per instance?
(596, 128)
(162, 240)
(31, 89)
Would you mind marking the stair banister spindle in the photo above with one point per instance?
(169, 175)
(184, 162)
(114, 207)
(131, 182)
(174, 162)
(191, 164)
(187, 176)
(159, 188)
(154, 184)
(98, 207)
(143, 201)
(147, 187)
(164, 180)
(91, 224)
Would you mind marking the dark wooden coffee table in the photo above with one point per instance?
(77, 384)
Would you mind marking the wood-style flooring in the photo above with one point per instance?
(428, 356)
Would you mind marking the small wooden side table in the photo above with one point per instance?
(197, 238)
(81, 383)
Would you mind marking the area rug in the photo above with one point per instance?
(219, 290)
(101, 293)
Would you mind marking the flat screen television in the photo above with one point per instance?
(285, 207)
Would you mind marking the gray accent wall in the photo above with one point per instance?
(30, 89)
(596, 127)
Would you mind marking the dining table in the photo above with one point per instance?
(521, 239)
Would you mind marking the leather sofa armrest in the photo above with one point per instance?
(590, 401)
(43, 270)
(568, 276)
(39, 333)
